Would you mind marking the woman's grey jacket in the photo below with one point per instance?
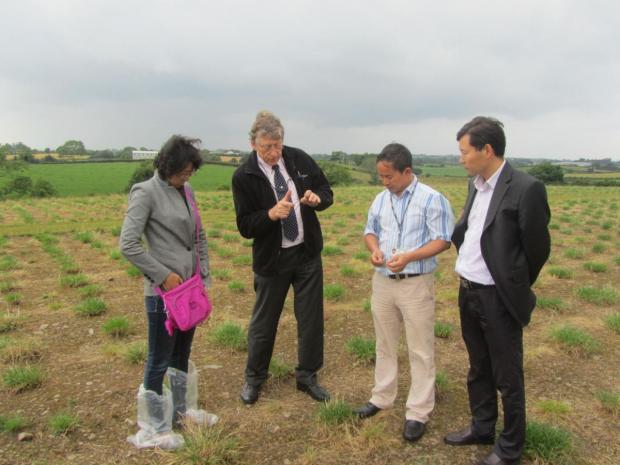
(158, 211)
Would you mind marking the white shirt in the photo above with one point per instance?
(470, 264)
(268, 170)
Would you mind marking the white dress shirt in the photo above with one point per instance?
(268, 170)
(470, 264)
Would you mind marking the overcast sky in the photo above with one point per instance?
(342, 75)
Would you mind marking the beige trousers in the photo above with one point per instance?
(412, 301)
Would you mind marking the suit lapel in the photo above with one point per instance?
(471, 195)
(502, 186)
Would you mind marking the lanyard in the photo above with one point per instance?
(402, 220)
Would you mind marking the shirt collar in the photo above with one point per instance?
(267, 168)
(481, 185)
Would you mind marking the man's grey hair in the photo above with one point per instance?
(267, 125)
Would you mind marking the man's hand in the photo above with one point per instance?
(310, 199)
(171, 281)
(377, 258)
(397, 263)
(281, 209)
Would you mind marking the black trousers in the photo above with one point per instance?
(306, 277)
(494, 341)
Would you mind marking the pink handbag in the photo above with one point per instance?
(188, 304)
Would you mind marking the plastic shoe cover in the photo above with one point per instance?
(155, 421)
(184, 388)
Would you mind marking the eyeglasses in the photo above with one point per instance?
(269, 147)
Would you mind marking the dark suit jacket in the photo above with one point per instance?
(515, 241)
(254, 196)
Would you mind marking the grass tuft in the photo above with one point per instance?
(595, 267)
(441, 380)
(236, 286)
(8, 263)
(22, 378)
(575, 339)
(599, 295)
(280, 370)
(613, 322)
(135, 353)
(85, 237)
(576, 254)
(610, 401)
(362, 348)
(12, 424)
(207, 446)
(63, 423)
(223, 275)
(560, 272)
(90, 290)
(550, 303)
(117, 327)
(548, 443)
(74, 280)
(230, 335)
(334, 412)
(13, 298)
(92, 306)
(557, 407)
(443, 330)
(333, 292)
(7, 286)
(242, 260)
(332, 250)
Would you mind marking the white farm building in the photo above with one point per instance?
(143, 154)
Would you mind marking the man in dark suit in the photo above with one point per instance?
(502, 241)
(276, 193)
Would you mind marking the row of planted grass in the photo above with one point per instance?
(21, 374)
(117, 327)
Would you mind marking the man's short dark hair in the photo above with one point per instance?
(175, 154)
(396, 154)
(485, 130)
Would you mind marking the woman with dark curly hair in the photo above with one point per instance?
(160, 209)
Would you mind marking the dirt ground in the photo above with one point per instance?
(86, 375)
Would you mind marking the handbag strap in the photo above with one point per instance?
(190, 199)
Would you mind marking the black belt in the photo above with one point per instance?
(403, 275)
(467, 284)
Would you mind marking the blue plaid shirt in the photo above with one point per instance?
(426, 215)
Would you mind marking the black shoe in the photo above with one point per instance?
(314, 390)
(249, 393)
(367, 410)
(413, 430)
(493, 459)
(466, 437)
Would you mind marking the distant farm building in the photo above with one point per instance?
(143, 154)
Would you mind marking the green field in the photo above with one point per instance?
(73, 179)
(63, 281)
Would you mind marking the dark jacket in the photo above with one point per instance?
(515, 241)
(254, 196)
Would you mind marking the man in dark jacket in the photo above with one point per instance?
(276, 193)
(503, 242)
